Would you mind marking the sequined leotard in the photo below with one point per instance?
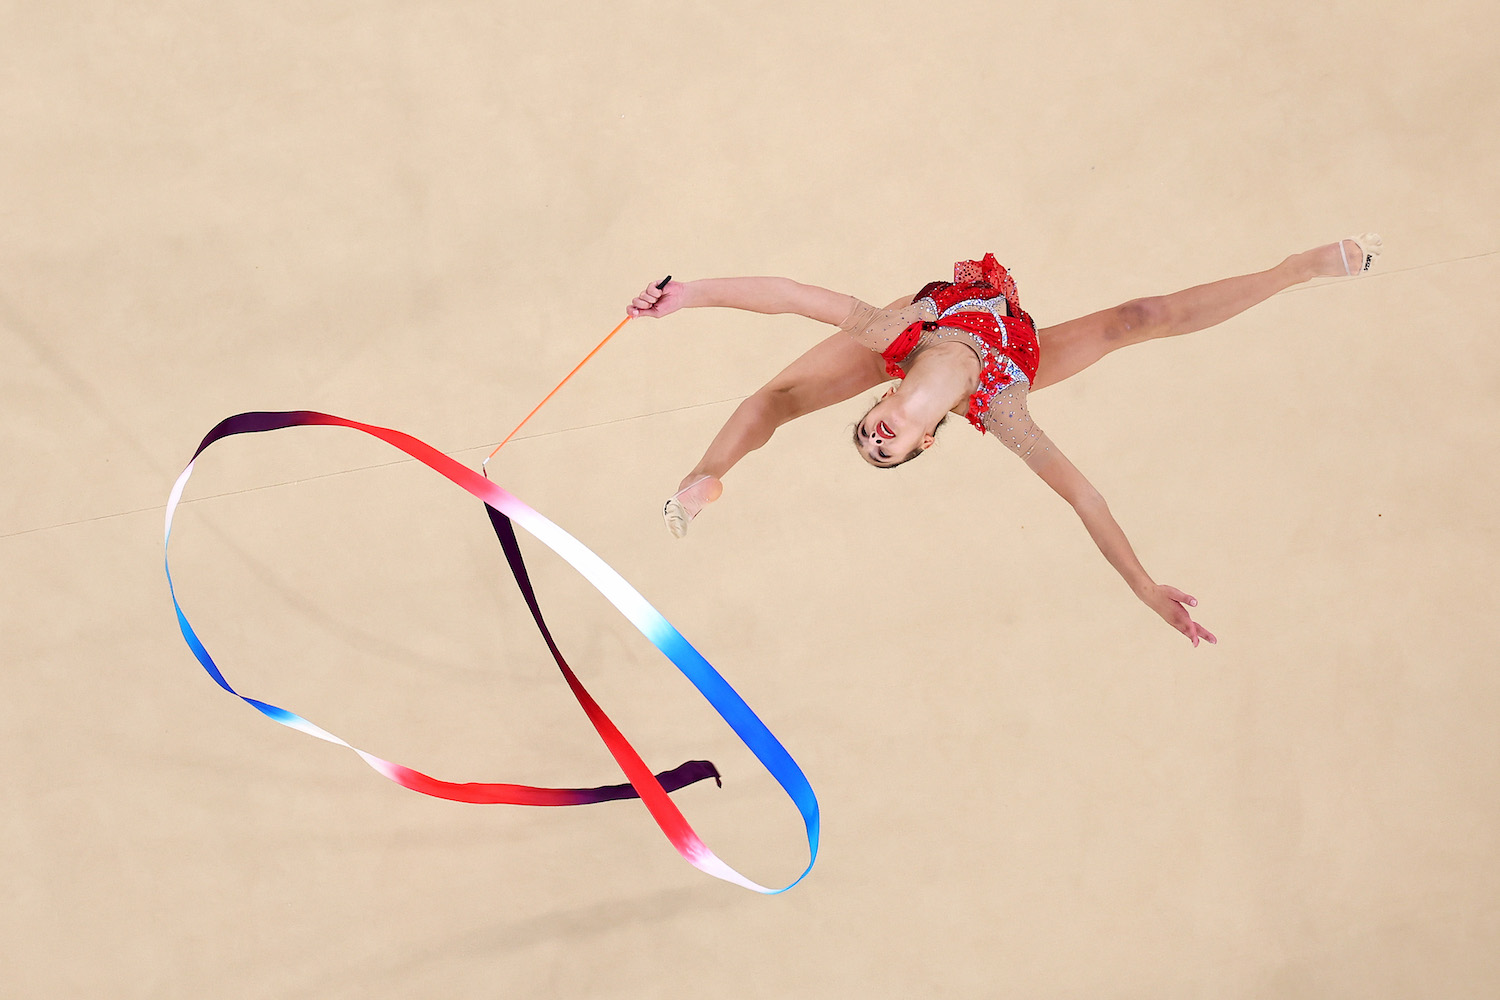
(980, 309)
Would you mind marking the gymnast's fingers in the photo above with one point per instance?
(1181, 597)
(643, 302)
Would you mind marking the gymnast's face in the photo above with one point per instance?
(886, 438)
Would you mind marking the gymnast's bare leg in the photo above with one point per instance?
(1069, 348)
(836, 369)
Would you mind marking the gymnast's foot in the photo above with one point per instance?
(696, 493)
(1351, 255)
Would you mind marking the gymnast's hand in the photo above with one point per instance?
(1172, 604)
(657, 302)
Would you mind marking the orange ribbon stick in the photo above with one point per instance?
(564, 382)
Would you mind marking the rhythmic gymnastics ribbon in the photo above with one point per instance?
(505, 510)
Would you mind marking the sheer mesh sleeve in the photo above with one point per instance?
(1009, 420)
(877, 328)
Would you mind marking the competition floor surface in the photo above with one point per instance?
(422, 216)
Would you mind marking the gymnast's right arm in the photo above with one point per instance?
(762, 295)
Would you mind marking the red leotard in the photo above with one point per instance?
(973, 302)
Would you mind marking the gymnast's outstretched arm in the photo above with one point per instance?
(762, 295)
(1009, 421)
(1168, 602)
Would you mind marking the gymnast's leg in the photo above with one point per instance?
(1069, 348)
(836, 369)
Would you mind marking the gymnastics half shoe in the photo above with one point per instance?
(685, 504)
(1370, 245)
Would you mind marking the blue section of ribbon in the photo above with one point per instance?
(748, 727)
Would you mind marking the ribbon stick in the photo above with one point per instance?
(620, 326)
(505, 512)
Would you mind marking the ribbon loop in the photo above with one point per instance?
(505, 511)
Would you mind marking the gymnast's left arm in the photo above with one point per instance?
(762, 295)
(1012, 426)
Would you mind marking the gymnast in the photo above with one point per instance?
(965, 347)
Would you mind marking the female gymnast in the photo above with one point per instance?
(965, 347)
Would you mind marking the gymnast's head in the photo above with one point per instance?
(885, 437)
